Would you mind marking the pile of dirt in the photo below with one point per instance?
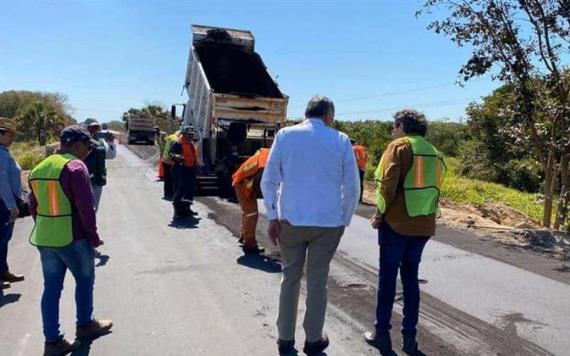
(234, 70)
(485, 215)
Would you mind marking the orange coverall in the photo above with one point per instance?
(246, 183)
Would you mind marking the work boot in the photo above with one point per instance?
(317, 347)
(60, 347)
(4, 285)
(286, 347)
(11, 277)
(93, 329)
(409, 345)
(179, 211)
(382, 343)
(252, 250)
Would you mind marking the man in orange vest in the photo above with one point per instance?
(183, 153)
(361, 161)
(246, 181)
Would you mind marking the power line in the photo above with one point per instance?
(430, 105)
(412, 90)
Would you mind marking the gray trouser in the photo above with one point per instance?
(316, 246)
(97, 191)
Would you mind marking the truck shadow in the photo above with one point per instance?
(260, 262)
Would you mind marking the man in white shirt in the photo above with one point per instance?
(310, 189)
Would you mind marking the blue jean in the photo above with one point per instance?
(5, 236)
(403, 253)
(79, 258)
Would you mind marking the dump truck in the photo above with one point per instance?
(234, 103)
(140, 129)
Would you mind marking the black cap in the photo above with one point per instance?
(76, 133)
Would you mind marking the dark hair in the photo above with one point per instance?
(319, 106)
(414, 121)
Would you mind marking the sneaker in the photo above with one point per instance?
(409, 345)
(317, 347)
(286, 347)
(382, 343)
(11, 277)
(60, 347)
(4, 285)
(94, 329)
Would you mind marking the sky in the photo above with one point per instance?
(372, 57)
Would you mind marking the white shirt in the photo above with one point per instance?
(110, 149)
(311, 177)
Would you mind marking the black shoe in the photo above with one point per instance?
(11, 277)
(60, 347)
(315, 348)
(382, 343)
(254, 250)
(286, 347)
(410, 345)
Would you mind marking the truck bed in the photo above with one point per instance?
(233, 70)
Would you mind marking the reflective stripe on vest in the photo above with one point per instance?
(53, 226)
(423, 181)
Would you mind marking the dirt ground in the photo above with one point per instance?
(502, 223)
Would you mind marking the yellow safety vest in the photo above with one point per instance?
(423, 181)
(54, 227)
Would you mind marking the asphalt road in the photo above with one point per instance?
(184, 287)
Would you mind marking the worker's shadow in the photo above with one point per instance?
(260, 262)
(85, 347)
(103, 259)
(190, 222)
(8, 298)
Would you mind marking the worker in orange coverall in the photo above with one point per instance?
(246, 181)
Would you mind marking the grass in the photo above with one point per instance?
(27, 154)
(466, 190)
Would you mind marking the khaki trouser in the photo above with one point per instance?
(316, 246)
(248, 219)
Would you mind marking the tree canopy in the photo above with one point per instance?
(40, 116)
(522, 43)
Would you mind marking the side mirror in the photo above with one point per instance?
(183, 112)
(173, 112)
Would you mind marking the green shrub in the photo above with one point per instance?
(523, 174)
(29, 160)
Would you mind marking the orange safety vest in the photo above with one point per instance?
(361, 156)
(188, 151)
(243, 178)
